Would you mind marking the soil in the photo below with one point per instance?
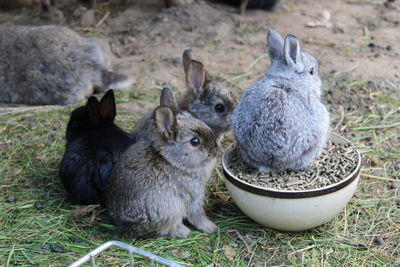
(337, 161)
(358, 39)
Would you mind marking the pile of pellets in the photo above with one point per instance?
(336, 162)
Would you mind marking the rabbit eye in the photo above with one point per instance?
(312, 71)
(195, 141)
(219, 108)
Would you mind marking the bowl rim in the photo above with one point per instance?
(276, 193)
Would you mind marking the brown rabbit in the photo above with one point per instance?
(155, 186)
(205, 99)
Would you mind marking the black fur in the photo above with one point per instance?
(94, 145)
(261, 4)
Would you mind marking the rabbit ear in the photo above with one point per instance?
(186, 59)
(194, 71)
(275, 44)
(195, 77)
(93, 107)
(168, 99)
(292, 52)
(165, 122)
(107, 106)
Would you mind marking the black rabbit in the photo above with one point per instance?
(94, 144)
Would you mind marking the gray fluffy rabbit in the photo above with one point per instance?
(155, 186)
(52, 65)
(205, 99)
(280, 122)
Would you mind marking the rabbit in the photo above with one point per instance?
(93, 144)
(52, 65)
(205, 99)
(280, 122)
(155, 186)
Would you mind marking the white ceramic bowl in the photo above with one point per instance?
(291, 210)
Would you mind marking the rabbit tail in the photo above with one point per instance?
(116, 81)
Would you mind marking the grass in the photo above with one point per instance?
(365, 233)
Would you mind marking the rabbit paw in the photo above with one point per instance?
(199, 220)
(181, 231)
(206, 226)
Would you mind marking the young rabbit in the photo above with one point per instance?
(52, 65)
(94, 144)
(205, 99)
(155, 186)
(280, 122)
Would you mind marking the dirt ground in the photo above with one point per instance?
(357, 45)
(352, 38)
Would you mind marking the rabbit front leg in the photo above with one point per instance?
(170, 220)
(198, 218)
(182, 231)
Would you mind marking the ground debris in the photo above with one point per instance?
(57, 249)
(10, 199)
(378, 240)
(38, 205)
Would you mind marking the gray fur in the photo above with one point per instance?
(145, 128)
(52, 65)
(203, 94)
(280, 122)
(156, 185)
(168, 99)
